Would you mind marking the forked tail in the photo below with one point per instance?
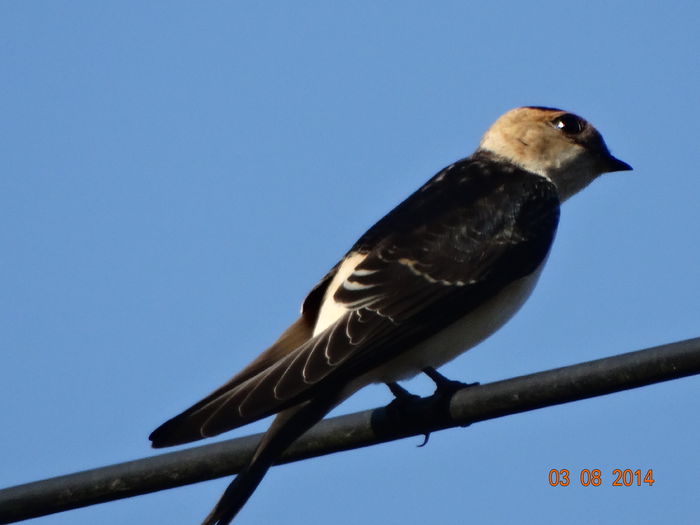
(285, 429)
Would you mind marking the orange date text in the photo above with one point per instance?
(595, 478)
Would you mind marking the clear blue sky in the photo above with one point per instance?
(175, 176)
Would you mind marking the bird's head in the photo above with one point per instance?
(553, 143)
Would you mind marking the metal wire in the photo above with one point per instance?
(420, 417)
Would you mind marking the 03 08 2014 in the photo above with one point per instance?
(595, 477)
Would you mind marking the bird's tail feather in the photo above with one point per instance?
(285, 429)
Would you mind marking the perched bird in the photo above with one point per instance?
(441, 272)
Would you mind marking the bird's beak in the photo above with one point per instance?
(610, 163)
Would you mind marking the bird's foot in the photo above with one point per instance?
(401, 395)
(403, 400)
(444, 386)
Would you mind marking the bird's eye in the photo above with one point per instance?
(569, 124)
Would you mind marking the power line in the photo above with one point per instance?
(422, 416)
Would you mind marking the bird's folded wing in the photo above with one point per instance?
(426, 271)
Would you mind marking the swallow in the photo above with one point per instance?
(436, 276)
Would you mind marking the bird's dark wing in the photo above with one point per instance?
(469, 232)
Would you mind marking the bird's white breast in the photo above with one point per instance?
(460, 336)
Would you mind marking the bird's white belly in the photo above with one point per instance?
(460, 336)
